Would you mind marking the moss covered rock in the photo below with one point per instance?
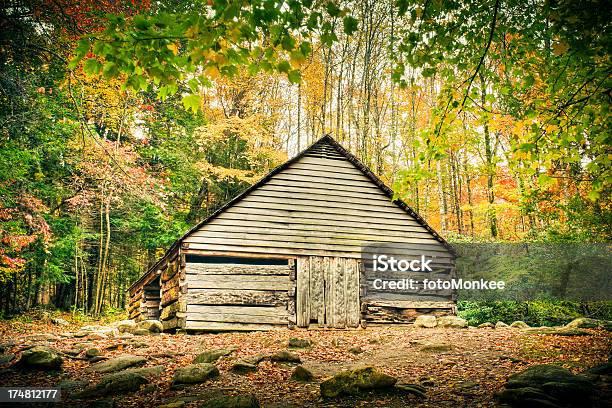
(195, 373)
(353, 382)
(40, 358)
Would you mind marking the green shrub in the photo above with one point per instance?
(534, 313)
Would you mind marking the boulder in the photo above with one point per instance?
(285, 356)
(255, 359)
(115, 383)
(232, 401)
(59, 321)
(40, 358)
(243, 367)
(299, 343)
(547, 386)
(538, 375)
(194, 373)
(70, 387)
(352, 382)
(526, 397)
(92, 352)
(454, 322)
(125, 326)
(586, 323)
(486, 325)
(500, 325)
(153, 326)
(117, 363)
(140, 332)
(519, 324)
(425, 321)
(211, 356)
(300, 373)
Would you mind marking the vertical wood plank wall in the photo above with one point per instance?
(327, 292)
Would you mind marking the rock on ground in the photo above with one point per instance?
(92, 352)
(195, 373)
(547, 385)
(519, 325)
(211, 356)
(453, 322)
(125, 326)
(117, 363)
(255, 359)
(285, 356)
(60, 322)
(586, 323)
(300, 373)
(152, 326)
(40, 358)
(354, 381)
(425, 321)
(299, 343)
(487, 325)
(243, 367)
(500, 325)
(115, 383)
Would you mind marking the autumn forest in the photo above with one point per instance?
(124, 123)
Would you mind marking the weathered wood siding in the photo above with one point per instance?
(159, 295)
(327, 292)
(234, 296)
(320, 205)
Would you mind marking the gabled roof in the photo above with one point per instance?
(322, 143)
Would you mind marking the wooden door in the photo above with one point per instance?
(327, 291)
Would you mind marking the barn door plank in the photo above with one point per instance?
(317, 308)
(329, 266)
(303, 291)
(339, 294)
(352, 293)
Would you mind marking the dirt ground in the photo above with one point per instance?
(463, 369)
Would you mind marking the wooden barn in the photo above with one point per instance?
(288, 251)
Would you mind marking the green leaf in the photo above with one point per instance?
(350, 25)
(545, 180)
(283, 66)
(110, 70)
(192, 102)
(593, 195)
(333, 9)
(294, 76)
(92, 66)
(402, 6)
(141, 23)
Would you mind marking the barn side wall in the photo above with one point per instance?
(160, 294)
(239, 294)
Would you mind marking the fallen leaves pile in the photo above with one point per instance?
(458, 367)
